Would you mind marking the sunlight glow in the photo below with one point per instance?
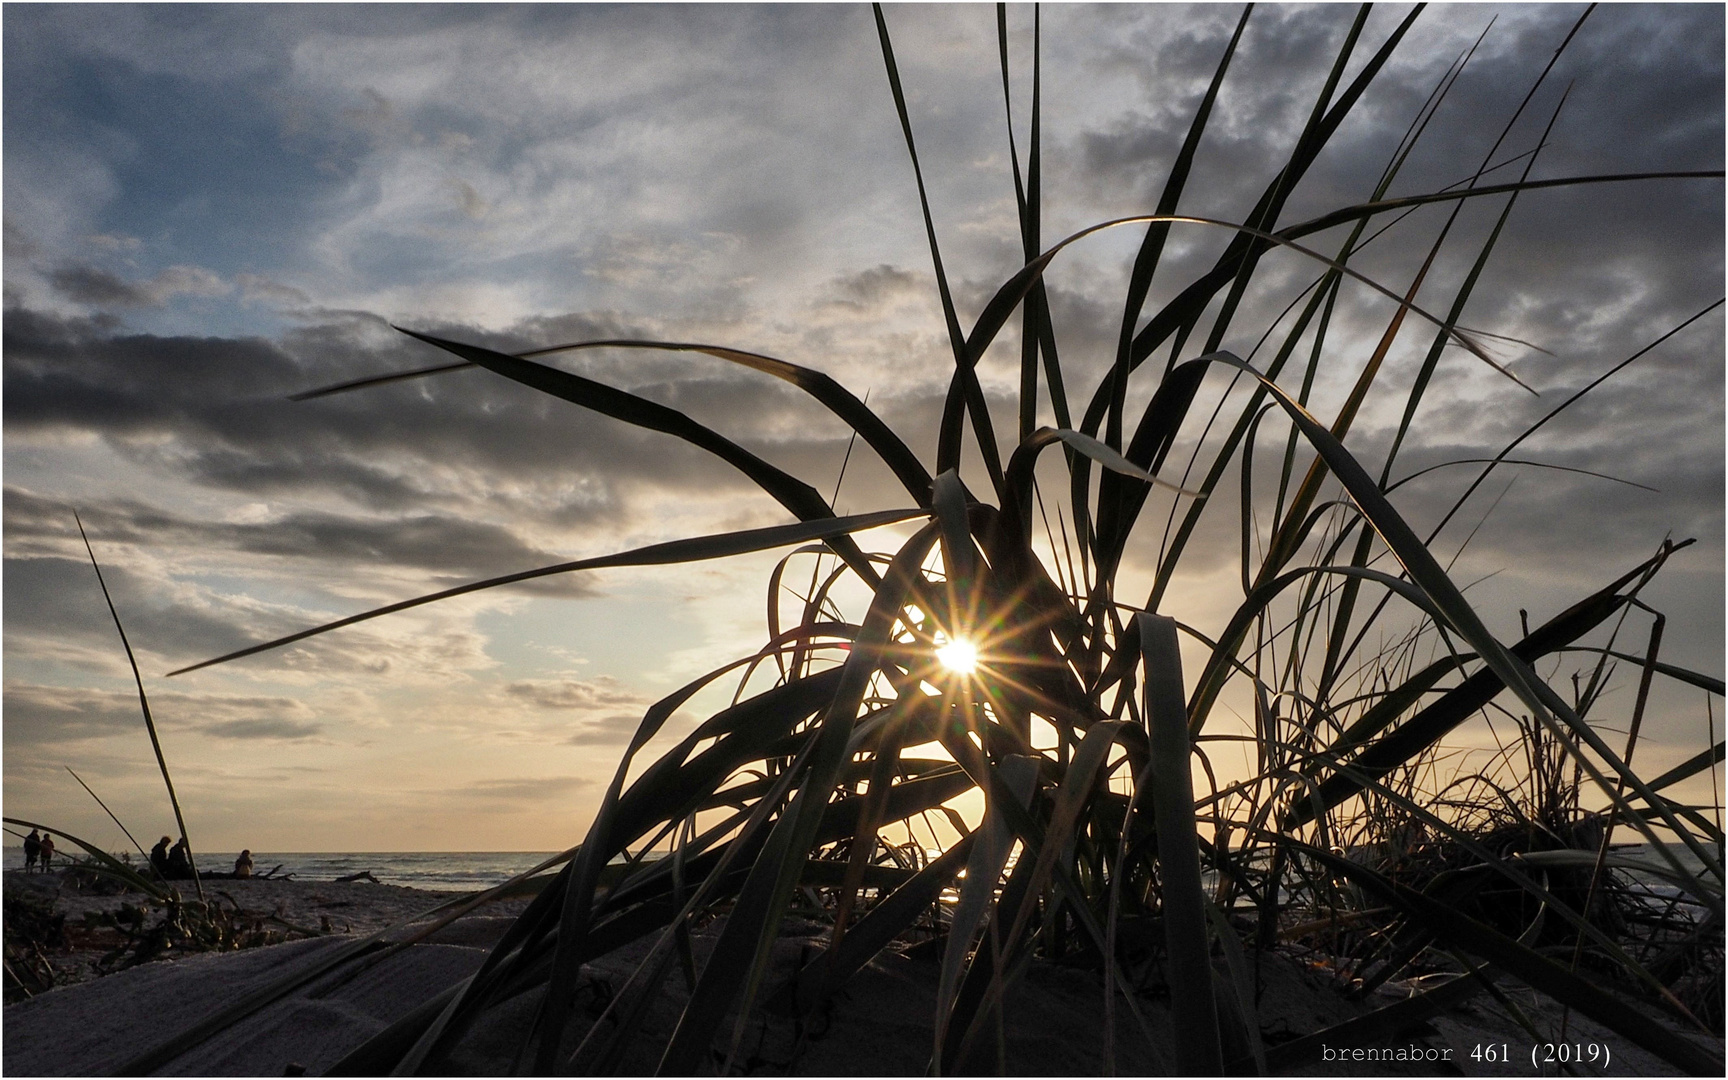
(959, 656)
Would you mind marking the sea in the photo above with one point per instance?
(446, 871)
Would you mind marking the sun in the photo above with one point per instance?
(959, 656)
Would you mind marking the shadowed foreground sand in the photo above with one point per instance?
(879, 1025)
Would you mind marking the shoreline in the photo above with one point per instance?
(458, 871)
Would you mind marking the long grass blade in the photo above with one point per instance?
(1193, 1010)
(983, 871)
(144, 706)
(964, 393)
(110, 814)
(696, 549)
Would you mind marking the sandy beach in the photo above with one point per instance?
(285, 910)
(878, 1025)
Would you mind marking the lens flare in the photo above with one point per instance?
(959, 656)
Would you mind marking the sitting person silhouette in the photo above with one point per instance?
(243, 865)
(159, 857)
(179, 861)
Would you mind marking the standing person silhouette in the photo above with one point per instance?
(47, 850)
(32, 848)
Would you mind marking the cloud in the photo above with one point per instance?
(215, 410)
(99, 288)
(602, 693)
(614, 730)
(262, 729)
(38, 714)
(302, 177)
(88, 285)
(258, 289)
(535, 789)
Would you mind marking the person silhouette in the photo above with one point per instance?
(32, 848)
(243, 865)
(180, 860)
(47, 854)
(159, 857)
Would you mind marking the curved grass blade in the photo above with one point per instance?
(1396, 484)
(1615, 860)
(794, 494)
(1563, 406)
(369, 381)
(829, 393)
(1017, 488)
(1347, 214)
(1200, 292)
(1220, 662)
(695, 549)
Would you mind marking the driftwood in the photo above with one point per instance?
(364, 875)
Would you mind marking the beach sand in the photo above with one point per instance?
(879, 1024)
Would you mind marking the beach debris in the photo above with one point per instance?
(364, 875)
(31, 925)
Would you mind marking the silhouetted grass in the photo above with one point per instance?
(1353, 834)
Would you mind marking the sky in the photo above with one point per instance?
(210, 207)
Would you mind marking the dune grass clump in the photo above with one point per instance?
(999, 658)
